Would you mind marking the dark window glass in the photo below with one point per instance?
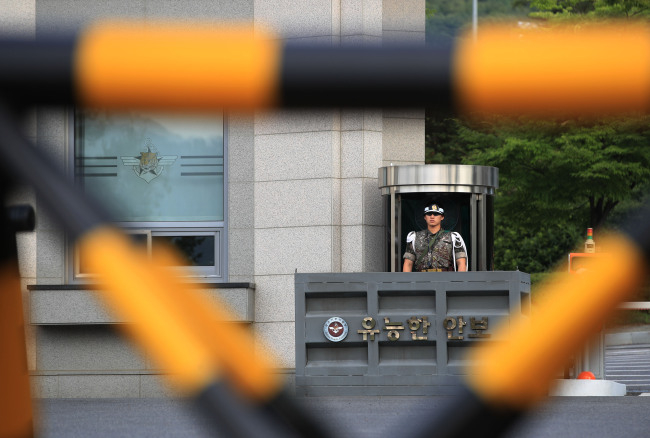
(197, 250)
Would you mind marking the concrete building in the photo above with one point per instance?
(292, 190)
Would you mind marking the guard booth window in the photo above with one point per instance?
(162, 180)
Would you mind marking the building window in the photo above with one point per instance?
(161, 178)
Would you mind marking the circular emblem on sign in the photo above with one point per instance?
(335, 329)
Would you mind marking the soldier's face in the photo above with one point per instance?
(433, 219)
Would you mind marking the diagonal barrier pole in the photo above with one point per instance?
(15, 400)
(220, 368)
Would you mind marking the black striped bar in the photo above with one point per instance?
(393, 76)
(41, 71)
(38, 71)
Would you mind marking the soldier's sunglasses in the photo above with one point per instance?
(432, 213)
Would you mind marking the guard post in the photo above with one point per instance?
(395, 334)
(467, 194)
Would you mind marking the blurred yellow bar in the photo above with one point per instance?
(189, 335)
(565, 70)
(131, 289)
(250, 367)
(517, 372)
(165, 65)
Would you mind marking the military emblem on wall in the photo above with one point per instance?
(335, 329)
(149, 165)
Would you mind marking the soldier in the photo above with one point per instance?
(434, 249)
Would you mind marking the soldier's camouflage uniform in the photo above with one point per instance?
(439, 257)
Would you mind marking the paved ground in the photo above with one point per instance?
(628, 361)
(630, 365)
(356, 417)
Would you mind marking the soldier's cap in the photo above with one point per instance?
(434, 208)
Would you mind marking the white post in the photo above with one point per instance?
(474, 18)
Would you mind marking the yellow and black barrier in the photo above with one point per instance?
(134, 65)
(171, 67)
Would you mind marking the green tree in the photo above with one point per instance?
(569, 165)
(589, 9)
(442, 145)
(556, 179)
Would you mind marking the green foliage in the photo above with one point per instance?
(531, 250)
(556, 178)
(429, 12)
(441, 139)
(573, 168)
(589, 9)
